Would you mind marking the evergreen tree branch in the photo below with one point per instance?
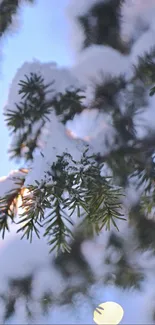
(68, 104)
(88, 194)
(7, 10)
(145, 70)
(152, 91)
(132, 160)
(101, 25)
(9, 203)
(144, 74)
(28, 119)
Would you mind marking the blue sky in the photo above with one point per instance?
(42, 35)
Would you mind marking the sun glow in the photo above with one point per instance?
(108, 313)
(87, 126)
(22, 195)
(12, 188)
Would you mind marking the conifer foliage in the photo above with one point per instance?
(7, 10)
(76, 199)
(96, 197)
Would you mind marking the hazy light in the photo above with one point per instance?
(108, 313)
(24, 193)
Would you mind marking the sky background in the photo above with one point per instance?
(42, 34)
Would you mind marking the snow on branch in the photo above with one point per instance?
(8, 10)
(11, 192)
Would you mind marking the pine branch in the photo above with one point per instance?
(145, 70)
(88, 194)
(7, 10)
(133, 276)
(34, 105)
(28, 119)
(132, 160)
(68, 104)
(106, 92)
(145, 227)
(17, 288)
(127, 276)
(9, 203)
(152, 91)
(124, 124)
(123, 102)
(130, 157)
(101, 25)
(24, 145)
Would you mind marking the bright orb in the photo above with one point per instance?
(108, 313)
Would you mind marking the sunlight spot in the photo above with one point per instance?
(109, 313)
